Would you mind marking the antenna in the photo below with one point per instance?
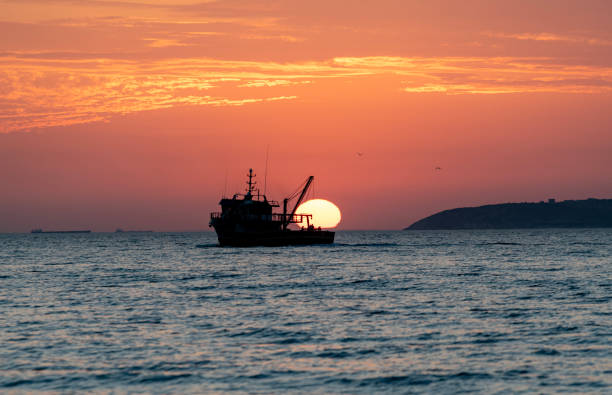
(266, 172)
(225, 186)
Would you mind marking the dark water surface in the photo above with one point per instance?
(377, 312)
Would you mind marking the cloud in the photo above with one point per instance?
(487, 75)
(163, 43)
(280, 37)
(553, 37)
(68, 61)
(269, 83)
(52, 89)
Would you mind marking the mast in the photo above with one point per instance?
(251, 183)
(266, 172)
(285, 220)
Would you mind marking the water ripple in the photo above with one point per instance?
(376, 312)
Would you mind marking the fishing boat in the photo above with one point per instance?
(249, 220)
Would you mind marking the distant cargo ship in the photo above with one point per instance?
(248, 220)
(59, 231)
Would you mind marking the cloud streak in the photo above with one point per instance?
(552, 37)
(44, 90)
(488, 75)
(67, 61)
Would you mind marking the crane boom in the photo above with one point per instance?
(297, 203)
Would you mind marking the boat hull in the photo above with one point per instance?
(276, 238)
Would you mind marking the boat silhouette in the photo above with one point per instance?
(248, 220)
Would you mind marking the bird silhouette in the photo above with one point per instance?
(438, 168)
(359, 153)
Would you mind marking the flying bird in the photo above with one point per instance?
(359, 153)
(438, 168)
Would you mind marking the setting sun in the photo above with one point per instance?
(325, 214)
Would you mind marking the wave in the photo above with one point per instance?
(160, 378)
(367, 245)
(206, 245)
(579, 252)
(547, 351)
(501, 243)
(411, 379)
(587, 243)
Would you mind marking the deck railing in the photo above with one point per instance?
(288, 218)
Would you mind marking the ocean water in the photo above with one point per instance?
(498, 311)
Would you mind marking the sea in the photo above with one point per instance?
(478, 311)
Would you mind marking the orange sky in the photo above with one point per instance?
(131, 113)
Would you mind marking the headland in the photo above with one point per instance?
(588, 213)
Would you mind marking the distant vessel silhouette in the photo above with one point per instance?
(248, 220)
(59, 231)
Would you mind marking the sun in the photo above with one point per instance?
(325, 214)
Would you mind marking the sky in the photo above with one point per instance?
(141, 114)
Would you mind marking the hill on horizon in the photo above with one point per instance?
(588, 213)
